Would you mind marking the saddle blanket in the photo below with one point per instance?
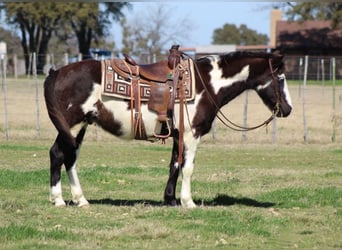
(120, 85)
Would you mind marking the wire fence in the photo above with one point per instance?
(316, 116)
(320, 68)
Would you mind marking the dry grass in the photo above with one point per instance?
(22, 115)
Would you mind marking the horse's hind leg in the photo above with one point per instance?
(56, 161)
(61, 152)
(70, 165)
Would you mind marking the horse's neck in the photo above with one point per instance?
(230, 93)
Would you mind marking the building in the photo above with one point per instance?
(316, 38)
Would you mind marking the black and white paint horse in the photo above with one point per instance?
(74, 99)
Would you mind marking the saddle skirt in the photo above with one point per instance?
(117, 77)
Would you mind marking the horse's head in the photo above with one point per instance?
(272, 86)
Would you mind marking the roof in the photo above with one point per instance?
(215, 49)
(308, 34)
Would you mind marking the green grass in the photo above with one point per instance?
(249, 197)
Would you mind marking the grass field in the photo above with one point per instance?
(249, 197)
(257, 194)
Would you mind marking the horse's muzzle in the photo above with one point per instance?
(284, 110)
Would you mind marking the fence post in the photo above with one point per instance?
(300, 69)
(34, 71)
(15, 65)
(4, 90)
(214, 129)
(274, 130)
(323, 75)
(304, 101)
(66, 56)
(245, 111)
(333, 62)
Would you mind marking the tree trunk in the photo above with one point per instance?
(46, 35)
(25, 48)
(84, 35)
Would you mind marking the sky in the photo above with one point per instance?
(207, 16)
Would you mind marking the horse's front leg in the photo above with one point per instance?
(191, 144)
(170, 190)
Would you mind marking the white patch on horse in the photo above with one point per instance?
(286, 90)
(76, 128)
(69, 106)
(95, 96)
(218, 82)
(260, 87)
(189, 114)
(122, 114)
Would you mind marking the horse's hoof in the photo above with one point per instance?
(172, 203)
(188, 204)
(59, 203)
(84, 206)
(83, 203)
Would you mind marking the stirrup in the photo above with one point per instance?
(162, 136)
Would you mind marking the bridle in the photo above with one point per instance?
(224, 119)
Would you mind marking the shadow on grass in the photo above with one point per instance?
(112, 202)
(219, 200)
(225, 200)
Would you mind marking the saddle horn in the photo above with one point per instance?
(174, 56)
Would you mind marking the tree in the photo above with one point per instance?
(12, 41)
(38, 22)
(153, 32)
(90, 21)
(231, 34)
(13, 44)
(317, 10)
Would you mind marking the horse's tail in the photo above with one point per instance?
(54, 109)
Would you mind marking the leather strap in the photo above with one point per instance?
(138, 127)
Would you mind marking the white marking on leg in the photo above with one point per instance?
(218, 82)
(56, 195)
(191, 144)
(75, 186)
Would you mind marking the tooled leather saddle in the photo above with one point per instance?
(153, 84)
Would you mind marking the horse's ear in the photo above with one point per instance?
(277, 54)
(277, 58)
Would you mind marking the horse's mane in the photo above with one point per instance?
(228, 58)
(240, 54)
(246, 54)
(231, 57)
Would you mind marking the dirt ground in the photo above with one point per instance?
(316, 114)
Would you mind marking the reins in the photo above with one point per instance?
(224, 119)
